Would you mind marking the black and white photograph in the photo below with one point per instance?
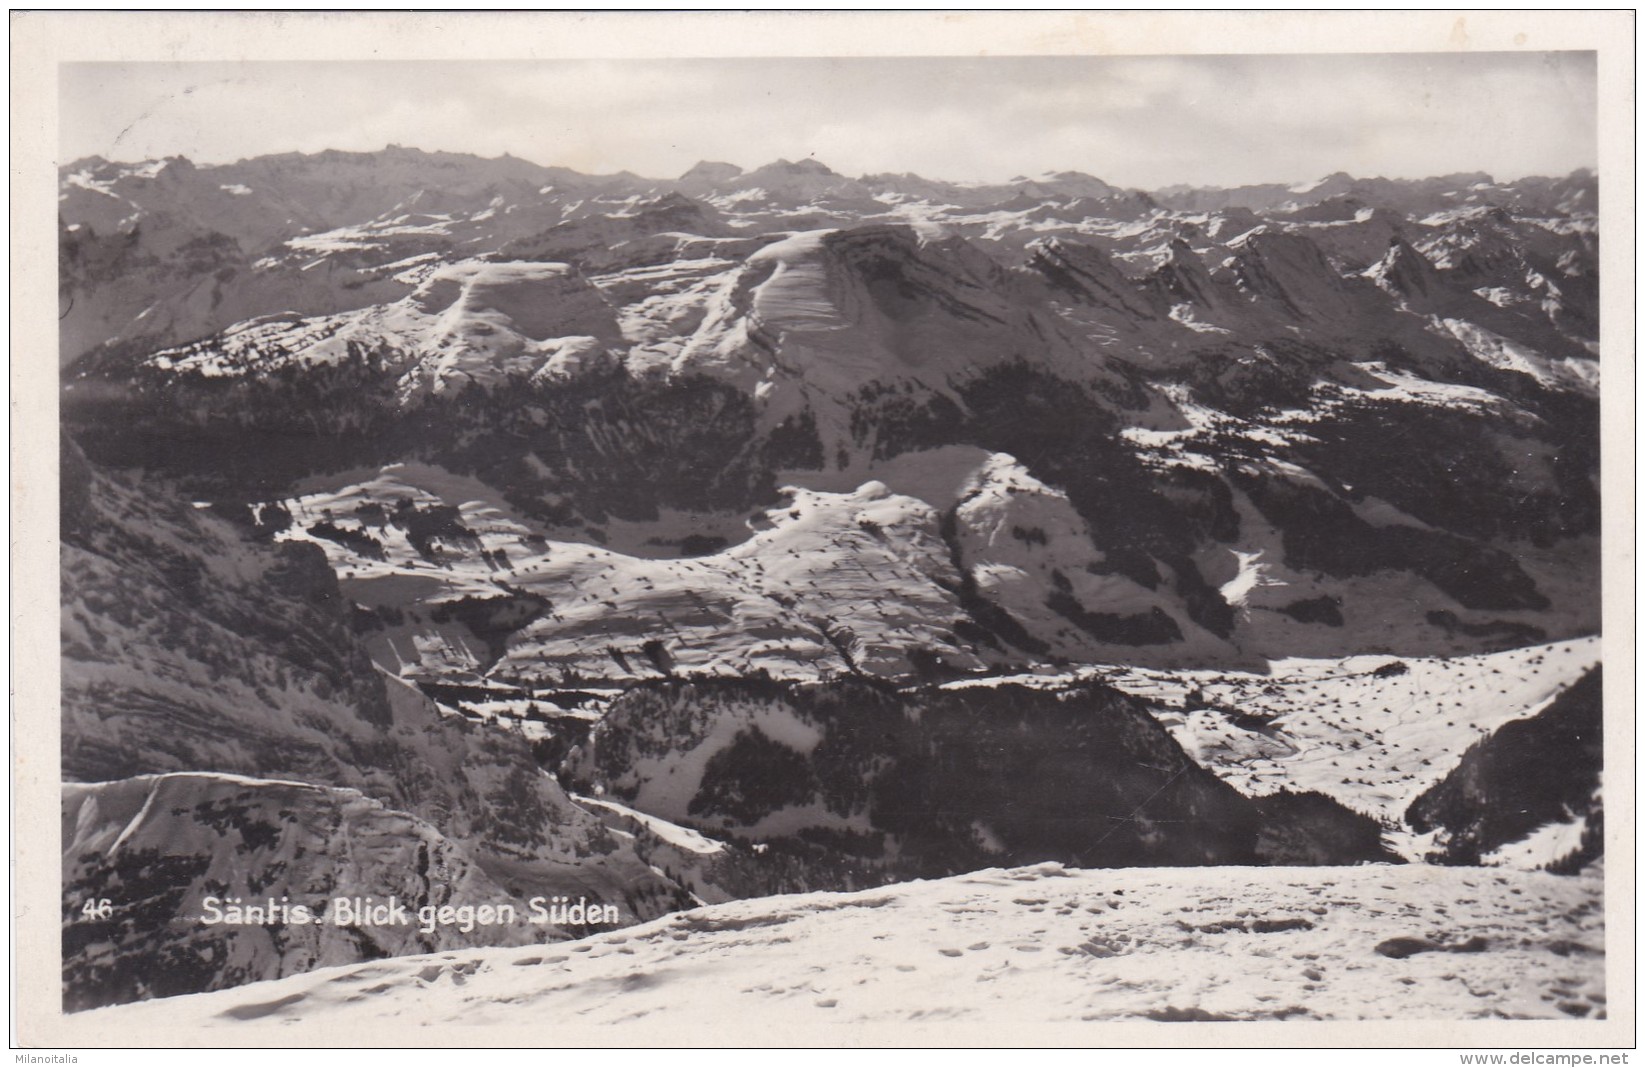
(803, 549)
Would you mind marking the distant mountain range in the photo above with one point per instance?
(200, 248)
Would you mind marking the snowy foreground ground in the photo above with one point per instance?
(1041, 946)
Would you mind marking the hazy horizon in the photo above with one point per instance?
(1138, 122)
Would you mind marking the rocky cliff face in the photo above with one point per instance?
(185, 855)
(189, 648)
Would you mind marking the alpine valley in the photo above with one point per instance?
(454, 531)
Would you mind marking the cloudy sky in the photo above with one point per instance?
(1136, 121)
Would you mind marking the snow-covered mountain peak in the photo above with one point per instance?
(1405, 272)
(1065, 184)
(708, 175)
(802, 166)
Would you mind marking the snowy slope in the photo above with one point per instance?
(825, 582)
(1371, 731)
(1034, 947)
(465, 323)
(812, 322)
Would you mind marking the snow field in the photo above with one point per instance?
(1042, 945)
(1358, 729)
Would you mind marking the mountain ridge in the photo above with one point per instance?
(1333, 181)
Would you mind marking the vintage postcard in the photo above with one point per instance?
(826, 529)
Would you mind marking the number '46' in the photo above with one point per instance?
(97, 909)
